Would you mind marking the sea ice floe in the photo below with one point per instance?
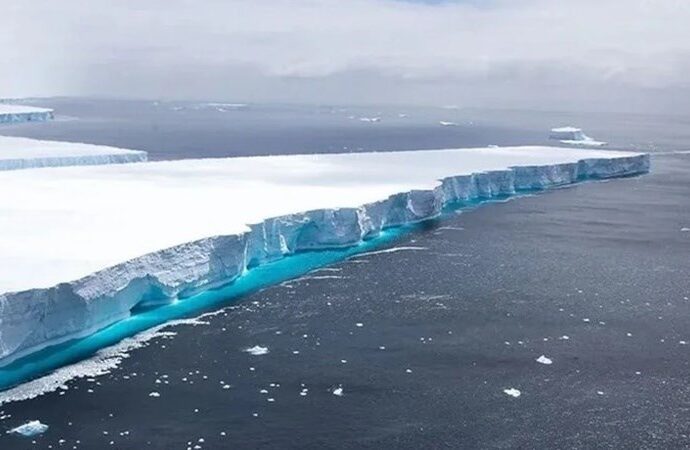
(257, 350)
(338, 391)
(31, 428)
(544, 360)
(512, 392)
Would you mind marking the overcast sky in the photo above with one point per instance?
(584, 54)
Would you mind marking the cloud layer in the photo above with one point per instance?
(377, 50)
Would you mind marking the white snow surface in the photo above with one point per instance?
(115, 236)
(20, 109)
(24, 153)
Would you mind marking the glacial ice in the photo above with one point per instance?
(23, 153)
(574, 136)
(154, 232)
(18, 113)
(31, 428)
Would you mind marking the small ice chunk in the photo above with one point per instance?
(444, 123)
(257, 350)
(154, 394)
(544, 360)
(512, 392)
(31, 428)
(359, 324)
(338, 391)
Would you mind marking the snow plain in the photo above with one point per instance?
(23, 153)
(81, 246)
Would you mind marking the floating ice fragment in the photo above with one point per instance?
(359, 324)
(544, 360)
(338, 391)
(444, 123)
(257, 350)
(154, 394)
(31, 428)
(512, 392)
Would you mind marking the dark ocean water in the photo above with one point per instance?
(423, 338)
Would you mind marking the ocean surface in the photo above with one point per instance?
(413, 343)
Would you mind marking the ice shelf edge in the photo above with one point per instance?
(34, 319)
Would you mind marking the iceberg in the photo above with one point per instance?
(29, 429)
(18, 113)
(574, 136)
(83, 247)
(23, 153)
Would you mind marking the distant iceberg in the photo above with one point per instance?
(23, 153)
(29, 429)
(574, 136)
(19, 113)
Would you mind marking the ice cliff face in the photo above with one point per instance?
(76, 160)
(33, 319)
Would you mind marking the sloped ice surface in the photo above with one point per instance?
(19, 113)
(123, 236)
(22, 153)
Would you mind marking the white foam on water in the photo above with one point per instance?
(391, 250)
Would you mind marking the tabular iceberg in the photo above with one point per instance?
(22, 153)
(18, 113)
(131, 235)
(574, 136)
